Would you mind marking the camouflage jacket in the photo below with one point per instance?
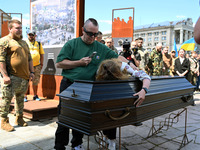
(144, 58)
(155, 63)
(194, 64)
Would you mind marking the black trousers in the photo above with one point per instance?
(110, 133)
(62, 133)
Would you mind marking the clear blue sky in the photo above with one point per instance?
(146, 11)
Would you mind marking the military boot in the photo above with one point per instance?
(20, 121)
(5, 125)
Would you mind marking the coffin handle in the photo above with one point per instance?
(126, 113)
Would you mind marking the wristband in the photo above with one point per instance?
(33, 72)
(145, 89)
(123, 66)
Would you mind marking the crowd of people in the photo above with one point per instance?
(160, 61)
(18, 65)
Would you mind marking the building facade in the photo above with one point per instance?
(164, 32)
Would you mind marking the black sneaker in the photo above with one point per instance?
(36, 98)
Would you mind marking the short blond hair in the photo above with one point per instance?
(11, 22)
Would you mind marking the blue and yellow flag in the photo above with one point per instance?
(175, 48)
(188, 45)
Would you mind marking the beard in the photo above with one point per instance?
(17, 37)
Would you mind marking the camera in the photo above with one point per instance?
(126, 45)
(134, 50)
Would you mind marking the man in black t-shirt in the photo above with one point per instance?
(136, 58)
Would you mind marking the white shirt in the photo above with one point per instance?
(181, 59)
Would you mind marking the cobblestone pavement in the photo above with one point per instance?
(39, 135)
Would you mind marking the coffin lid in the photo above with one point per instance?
(97, 91)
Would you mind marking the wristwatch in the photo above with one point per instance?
(33, 72)
(145, 89)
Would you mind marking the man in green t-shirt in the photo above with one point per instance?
(77, 63)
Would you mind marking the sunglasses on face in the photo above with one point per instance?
(31, 35)
(90, 33)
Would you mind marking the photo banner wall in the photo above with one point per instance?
(54, 21)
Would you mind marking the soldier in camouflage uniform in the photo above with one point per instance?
(194, 68)
(144, 55)
(167, 61)
(15, 66)
(155, 64)
(173, 56)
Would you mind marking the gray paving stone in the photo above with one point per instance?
(127, 131)
(197, 139)
(170, 145)
(44, 144)
(142, 131)
(23, 146)
(157, 140)
(182, 139)
(133, 140)
(173, 133)
(136, 147)
(159, 148)
(46, 130)
(191, 146)
(8, 141)
(25, 134)
(148, 145)
(1, 148)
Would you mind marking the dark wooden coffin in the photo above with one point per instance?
(90, 106)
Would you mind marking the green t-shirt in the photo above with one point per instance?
(76, 49)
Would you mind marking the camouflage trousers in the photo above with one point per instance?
(17, 88)
(37, 70)
(193, 78)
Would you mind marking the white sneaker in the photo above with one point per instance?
(79, 147)
(111, 144)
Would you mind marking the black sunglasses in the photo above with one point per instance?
(90, 33)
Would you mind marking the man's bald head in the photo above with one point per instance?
(159, 47)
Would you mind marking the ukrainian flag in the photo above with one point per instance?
(188, 45)
(175, 48)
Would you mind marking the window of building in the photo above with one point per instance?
(164, 44)
(155, 43)
(164, 38)
(149, 39)
(156, 33)
(149, 34)
(143, 40)
(149, 44)
(164, 32)
(156, 39)
(136, 35)
(143, 35)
